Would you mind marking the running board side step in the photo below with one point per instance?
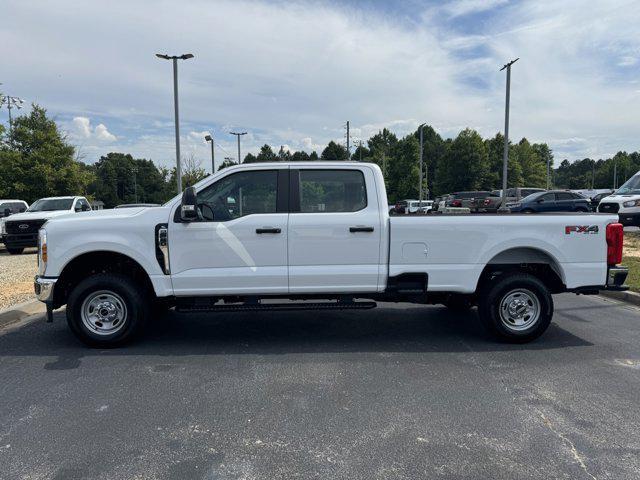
(199, 306)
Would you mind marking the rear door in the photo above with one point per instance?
(565, 202)
(334, 230)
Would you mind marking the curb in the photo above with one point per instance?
(20, 311)
(627, 296)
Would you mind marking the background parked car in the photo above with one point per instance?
(492, 203)
(415, 206)
(8, 208)
(400, 208)
(466, 199)
(552, 201)
(595, 200)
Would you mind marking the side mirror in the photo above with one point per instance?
(85, 208)
(540, 200)
(189, 205)
(7, 212)
(78, 208)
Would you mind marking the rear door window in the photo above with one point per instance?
(325, 191)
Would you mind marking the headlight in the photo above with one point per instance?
(631, 203)
(42, 251)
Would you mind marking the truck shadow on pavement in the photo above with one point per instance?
(392, 330)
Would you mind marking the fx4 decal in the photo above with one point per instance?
(587, 229)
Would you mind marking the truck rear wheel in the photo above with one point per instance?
(15, 251)
(516, 308)
(107, 310)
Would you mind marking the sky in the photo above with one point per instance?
(293, 73)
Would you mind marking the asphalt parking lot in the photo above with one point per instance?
(402, 391)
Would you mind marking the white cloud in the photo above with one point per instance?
(82, 130)
(82, 126)
(458, 8)
(299, 71)
(101, 133)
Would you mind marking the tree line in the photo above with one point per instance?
(37, 160)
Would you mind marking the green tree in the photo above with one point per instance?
(300, 156)
(534, 171)
(249, 158)
(266, 154)
(495, 152)
(334, 151)
(465, 165)
(37, 161)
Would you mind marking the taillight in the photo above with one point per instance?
(615, 237)
(456, 203)
(487, 201)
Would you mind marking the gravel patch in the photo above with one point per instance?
(16, 277)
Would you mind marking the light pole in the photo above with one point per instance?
(421, 152)
(505, 154)
(11, 102)
(135, 184)
(175, 59)
(209, 138)
(238, 135)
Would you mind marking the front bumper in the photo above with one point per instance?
(21, 240)
(629, 219)
(616, 277)
(44, 288)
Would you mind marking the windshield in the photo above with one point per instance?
(631, 186)
(51, 204)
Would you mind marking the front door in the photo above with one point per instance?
(334, 231)
(239, 246)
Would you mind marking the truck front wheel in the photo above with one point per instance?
(107, 310)
(516, 308)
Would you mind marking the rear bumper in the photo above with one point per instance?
(21, 240)
(616, 277)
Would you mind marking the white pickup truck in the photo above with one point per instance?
(285, 236)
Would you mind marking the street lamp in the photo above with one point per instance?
(238, 135)
(10, 102)
(209, 138)
(420, 184)
(174, 59)
(505, 154)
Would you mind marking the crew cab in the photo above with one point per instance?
(317, 235)
(21, 230)
(624, 202)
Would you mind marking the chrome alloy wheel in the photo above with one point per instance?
(519, 309)
(103, 312)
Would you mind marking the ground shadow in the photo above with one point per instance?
(390, 328)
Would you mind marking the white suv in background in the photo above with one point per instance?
(625, 202)
(21, 230)
(10, 207)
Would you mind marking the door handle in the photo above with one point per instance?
(360, 229)
(268, 230)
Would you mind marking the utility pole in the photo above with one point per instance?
(135, 184)
(175, 59)
(348, 145)
(548, 172)
(238, 135)
(360, 150)
(593, 175)
(420, 176)
(11, 102)
(615, 174)
(209, 138)
(505, 155)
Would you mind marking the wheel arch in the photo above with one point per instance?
(535, 261)
(100, 261)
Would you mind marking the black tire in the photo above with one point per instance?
(582, 210)
(498, 291)
(15, 251)
(125, 293)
